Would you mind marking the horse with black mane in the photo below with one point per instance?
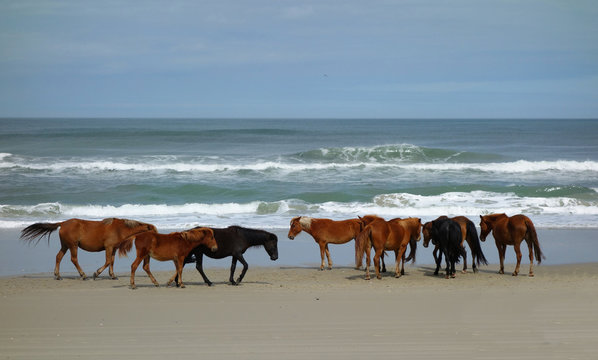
(469, 235)
(234, 241)
(446, 234)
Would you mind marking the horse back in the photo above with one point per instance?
(335, 230)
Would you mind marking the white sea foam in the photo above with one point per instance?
(553, 212)
(181, 166)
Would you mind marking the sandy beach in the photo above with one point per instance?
(299, 312)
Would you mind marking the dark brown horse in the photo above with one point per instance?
(382, 235)
(326, 231)
(469, 235)
(88, 235)
(512, 231)
(163, 247)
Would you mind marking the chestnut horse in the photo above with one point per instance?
(511, 231)
(366, 220)
(163, 247)
(326, 231)
(395, 235)
(469, 234)
(88, 235)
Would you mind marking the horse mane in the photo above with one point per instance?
(107, 221)
(132, 223)
(305, 222)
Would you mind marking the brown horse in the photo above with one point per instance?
(512, 231)
(88, 235)
(469, 235)
(326, 231)
(395, 235)
(163, 247)
(366, 220)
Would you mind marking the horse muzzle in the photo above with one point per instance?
(273, 258)
(291, 237)
(214, 248)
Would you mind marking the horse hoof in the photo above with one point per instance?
(133, 287)
(95, 275)
(446, 277)
(464, 271)
(514, 274)
(367, 278)
(453, 276)
(182, 286)
(531, 275)
(209, 283)
(114, 277)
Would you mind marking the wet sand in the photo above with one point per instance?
(295, 312)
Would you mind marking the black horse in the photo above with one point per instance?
(470, 235)
(446, 234)
(234, 241)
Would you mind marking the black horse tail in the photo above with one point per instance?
(362, 241)
(531, 233)
(454, 243)
(413, 246)
(472, 236)
(38, 231)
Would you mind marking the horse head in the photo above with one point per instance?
(295, 227)
(204, 236)
(485, 227)
(271, 246)
(427, 231)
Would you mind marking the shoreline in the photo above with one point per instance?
(560, 246)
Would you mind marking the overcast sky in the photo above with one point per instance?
(294, 59)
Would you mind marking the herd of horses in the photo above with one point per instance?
(448, 235)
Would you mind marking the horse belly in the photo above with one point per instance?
(160, 256)
(91, 246)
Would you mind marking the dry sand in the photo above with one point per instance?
(300, 313)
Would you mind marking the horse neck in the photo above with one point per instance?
(255, 239)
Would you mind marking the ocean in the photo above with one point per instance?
(180, 173)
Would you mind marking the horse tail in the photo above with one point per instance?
(361, 242)
(474, 240)
(531, 232)
(454, 243)
(38, 231)
(413, 246)
(126, 245)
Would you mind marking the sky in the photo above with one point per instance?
(299, 59)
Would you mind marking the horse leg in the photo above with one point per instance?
(437, 259)
(464, 271)
(134, 266)
(531, 258)
(111, 269)
(322, 253)
(245, 267)
(501, 255)
(108, 259)
(518, 253)
(446, 259)
(59, 256)
(199, 267)
(233, 266)
(179, 263)
(377, 263)
(328, 257)
(368, 251)
(73, 250)
(146, 267)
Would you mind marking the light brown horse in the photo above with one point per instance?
(469, 235)
(512, 231)
(382, 235)
(326, 231)
(163, 247)
(88, 235)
